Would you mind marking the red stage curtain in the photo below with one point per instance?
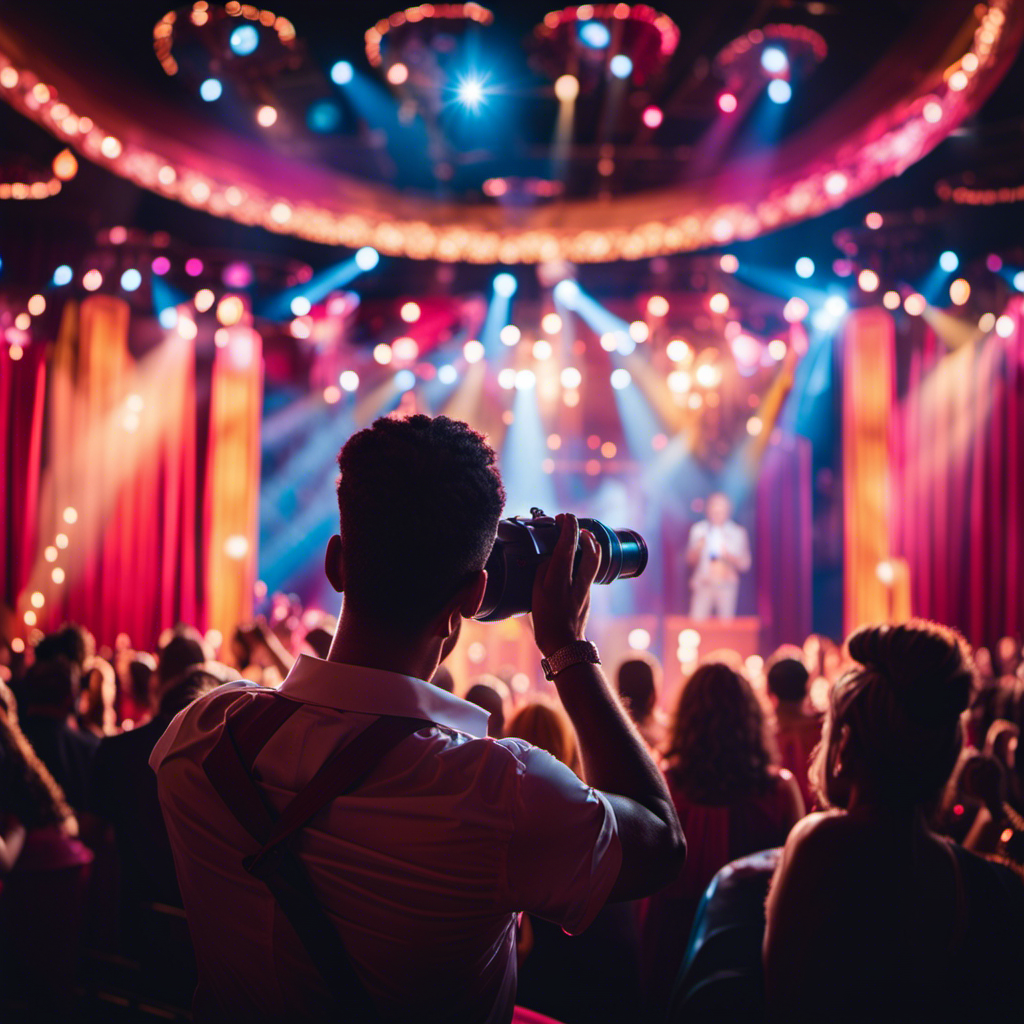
(959, 508)
(116, 480)
(22, 393)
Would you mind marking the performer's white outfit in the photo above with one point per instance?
(715, 583)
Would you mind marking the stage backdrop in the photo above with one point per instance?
(105, 465)
(958, 509)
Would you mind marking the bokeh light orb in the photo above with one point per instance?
(342, 72)
(244, 40)
(367, 258)
(620, 66)
(567, 88)
(780, 91)
(594, 34)
(211, 90)
(505, 285)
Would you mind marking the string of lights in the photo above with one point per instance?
(634, 226)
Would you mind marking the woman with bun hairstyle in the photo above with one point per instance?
(871, 915)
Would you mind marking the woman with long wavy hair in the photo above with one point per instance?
(731, 798)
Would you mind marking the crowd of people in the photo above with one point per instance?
(853, 820)
(81, 832)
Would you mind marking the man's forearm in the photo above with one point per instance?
(613, 754)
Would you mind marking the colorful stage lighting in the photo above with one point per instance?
(470, 92)
(397, 74)
(507, 378)
(211, 90)
(949, 261)
(349, 380)
(567, 88)
(774, 60)
(342, 72)
(571, 378)
(510, 335)
(780, 91)
(653, 117)
(168, 318)
(804, 267)
(323, 117)
(595, 34)
(525, 380)
(266, 116)
(727, 103)
(300, 305)
(62, 275)
(405, 380)
(505, 285)
(836, 306)
(473, 351)
(244, 40)
(367, 258)
(621, 378)
(1018, 280)
(567, 293)
(447, 374)
(620, 66)
(160, 266)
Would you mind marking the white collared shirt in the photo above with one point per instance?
(422, 869)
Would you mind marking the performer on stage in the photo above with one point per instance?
(719, 550)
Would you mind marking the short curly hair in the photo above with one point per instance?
(419, 500)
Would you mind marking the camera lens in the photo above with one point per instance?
(522, 543)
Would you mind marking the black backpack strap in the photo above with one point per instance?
(228, 766)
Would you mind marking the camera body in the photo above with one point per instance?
(522, 543)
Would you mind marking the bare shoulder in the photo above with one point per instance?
(821, 832)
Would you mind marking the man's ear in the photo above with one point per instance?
(464, 605)
(334, 564)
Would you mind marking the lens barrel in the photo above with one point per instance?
(522, 543)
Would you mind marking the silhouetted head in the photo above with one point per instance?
(491, 694)
(892, 729)
(787, 678)
(638, 681)
(181, 653)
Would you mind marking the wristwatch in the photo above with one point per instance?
(576, 653)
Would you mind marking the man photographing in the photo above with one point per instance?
(409, 879)
(718, 550)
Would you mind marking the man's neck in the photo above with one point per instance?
(375, 645)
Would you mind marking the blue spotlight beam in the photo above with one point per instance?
(523, 451)
(318, 287)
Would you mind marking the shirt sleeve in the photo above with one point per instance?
(564, 852)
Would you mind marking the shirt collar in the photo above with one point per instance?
(377, 692)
